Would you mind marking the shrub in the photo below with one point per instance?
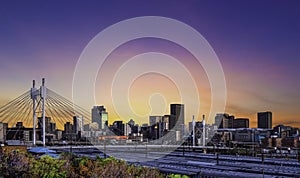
(47, 167)
(14, 164)
(17, 165)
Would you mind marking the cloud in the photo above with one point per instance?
(288, 122)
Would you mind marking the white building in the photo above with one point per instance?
(127, 129)
(100, 116)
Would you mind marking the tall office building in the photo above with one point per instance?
(222, 121)
(127, 129)
(264, 120)
(170, 119)
(159, 126)
(177, 120)
(52, 127)
(154, 120)
(47, 124)
(177, 111)
(78, 124)
(118, 128)
(68, 128)
(100, 116)
(165, 121)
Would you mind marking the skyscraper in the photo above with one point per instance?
(177, 110)
(68, 128)
(177, 118)
(100, 116)
(170, 119)
(165, 122)
(78, 124)
(222, 121)
(264, 120)
(154, 120)
(47, 124)
(127, 129)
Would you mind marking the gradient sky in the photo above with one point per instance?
(257, 42)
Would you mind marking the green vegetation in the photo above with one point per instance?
(20, 164)
(177, 176)
(47, 167)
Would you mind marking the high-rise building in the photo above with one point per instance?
(100, 116)
(52, 127)
(78, 124)
(47, 124)
(135, 129)
(170, 119)
(222, 120)
(159, 126)
(177, 120)
(165, 122)
(127, 129)
(264, 120)
(154, 119)
(118, 128)
(68, 128)
(131, 122)
(241, 123)
(177, 111)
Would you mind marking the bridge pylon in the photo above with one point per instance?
(34, 95)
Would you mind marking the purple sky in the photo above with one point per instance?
(257, 42)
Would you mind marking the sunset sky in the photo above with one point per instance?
(257, 43)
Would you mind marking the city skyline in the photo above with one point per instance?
(258, 52)
(61, 107)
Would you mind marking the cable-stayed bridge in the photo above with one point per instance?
(35, 107)
(60, 109)
(39, 103)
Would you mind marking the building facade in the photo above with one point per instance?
(100, 116)
(177, 116)
(264, 120)
(78, 124)
(241, 123)
(222, 120)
